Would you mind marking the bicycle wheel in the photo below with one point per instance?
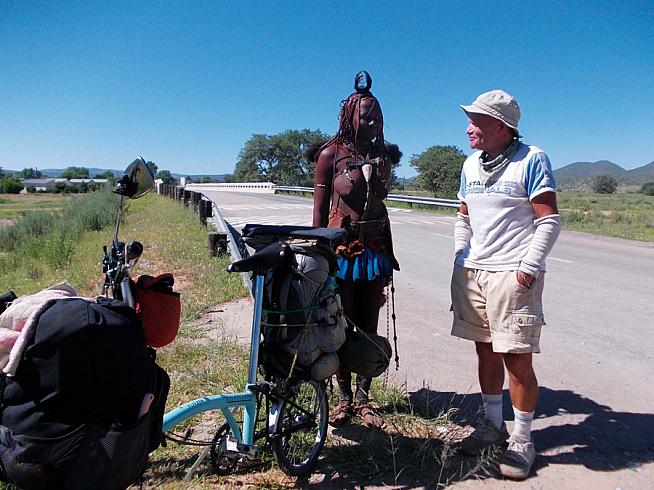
(302, 428)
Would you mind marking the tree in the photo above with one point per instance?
(206, 180)
(107, 174)
(153, 167)
(604, 184)
(647, 189)
(439, 170)
(2, 173)
(30, 173)
(10, 185)
(75, 173)
(278, 158)
(166, 177)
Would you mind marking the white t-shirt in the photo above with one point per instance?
(501, 216)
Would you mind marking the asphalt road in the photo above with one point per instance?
(595, 421)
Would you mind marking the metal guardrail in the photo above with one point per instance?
(427, 201)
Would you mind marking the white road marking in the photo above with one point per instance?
(561, 260)
(244, 207)
(444, 236)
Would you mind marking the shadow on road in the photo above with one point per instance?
(582, 431)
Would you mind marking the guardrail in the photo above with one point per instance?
(425, 201)
(257, 187)
(225, 238)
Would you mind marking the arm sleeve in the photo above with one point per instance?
(547, 231)
(538, 175)
(462, 232)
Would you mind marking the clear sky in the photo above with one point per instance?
(185, 84)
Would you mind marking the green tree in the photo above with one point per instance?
(30, 173)
(153, 167)
(439, 170)
(166, 177)
(2, 173)
(75, 173)
(278, 158)
(107, 174)
(10, 185)
(604, 184)
(647, 189)
(206, 180)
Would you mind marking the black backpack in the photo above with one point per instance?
(86, 405)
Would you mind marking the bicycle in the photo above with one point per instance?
(286, 413)
(295, 407)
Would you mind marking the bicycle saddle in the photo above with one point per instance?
(259, 236)
(263, 260)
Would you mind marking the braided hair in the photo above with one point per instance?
(350, 108)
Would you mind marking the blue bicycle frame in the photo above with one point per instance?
(227, 403)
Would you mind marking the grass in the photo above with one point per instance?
(13, 206)
(624, 215)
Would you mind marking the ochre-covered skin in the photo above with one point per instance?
(343, 197)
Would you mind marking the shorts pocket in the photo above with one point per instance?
(526, 325)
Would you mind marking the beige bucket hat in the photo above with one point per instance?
(497, 104)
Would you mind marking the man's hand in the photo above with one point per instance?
(525, 279)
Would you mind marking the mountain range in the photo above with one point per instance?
(55, 172)
(580, 174)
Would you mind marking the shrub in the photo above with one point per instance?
(604, 184)
(50, 234)
(647, 189)
(10, 185)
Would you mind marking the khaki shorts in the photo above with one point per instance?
(492, 307)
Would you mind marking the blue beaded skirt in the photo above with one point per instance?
(368, 265)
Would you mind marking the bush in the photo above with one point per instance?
(604, 184)
(647, 189)
(10, 185)
(49, 235)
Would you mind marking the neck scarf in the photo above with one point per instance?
(491, 170)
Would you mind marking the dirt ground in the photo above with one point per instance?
(566, 465)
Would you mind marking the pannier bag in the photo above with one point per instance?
(158, 307)
(84, 405)
(365, 354)
(303, 322)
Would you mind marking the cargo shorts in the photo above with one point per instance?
(492, 307)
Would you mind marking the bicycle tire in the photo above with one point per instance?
(299, 438)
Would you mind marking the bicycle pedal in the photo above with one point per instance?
(233, 447)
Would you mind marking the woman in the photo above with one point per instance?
(353, 176)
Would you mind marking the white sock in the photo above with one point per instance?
(493, 409)
(522, 425)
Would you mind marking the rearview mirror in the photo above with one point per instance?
(136, 181)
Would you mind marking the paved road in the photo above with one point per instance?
(595, 424)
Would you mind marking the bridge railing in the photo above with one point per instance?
(425, 201)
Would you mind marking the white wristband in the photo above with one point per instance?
(547, 231)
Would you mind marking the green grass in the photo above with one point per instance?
(13, 206)
(624, 215)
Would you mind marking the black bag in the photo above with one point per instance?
(365, 354)
(86, 405)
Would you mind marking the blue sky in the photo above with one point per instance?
(185, 84)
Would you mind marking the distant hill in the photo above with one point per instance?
(55, 172)
(578, 175)
(642, 174)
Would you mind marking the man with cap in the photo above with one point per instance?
(506, 226)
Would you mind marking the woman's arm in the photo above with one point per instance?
(322, 188)
(383, 184)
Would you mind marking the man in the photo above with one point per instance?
(507, 225)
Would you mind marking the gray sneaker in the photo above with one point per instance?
(518, 459)
(484, 436)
